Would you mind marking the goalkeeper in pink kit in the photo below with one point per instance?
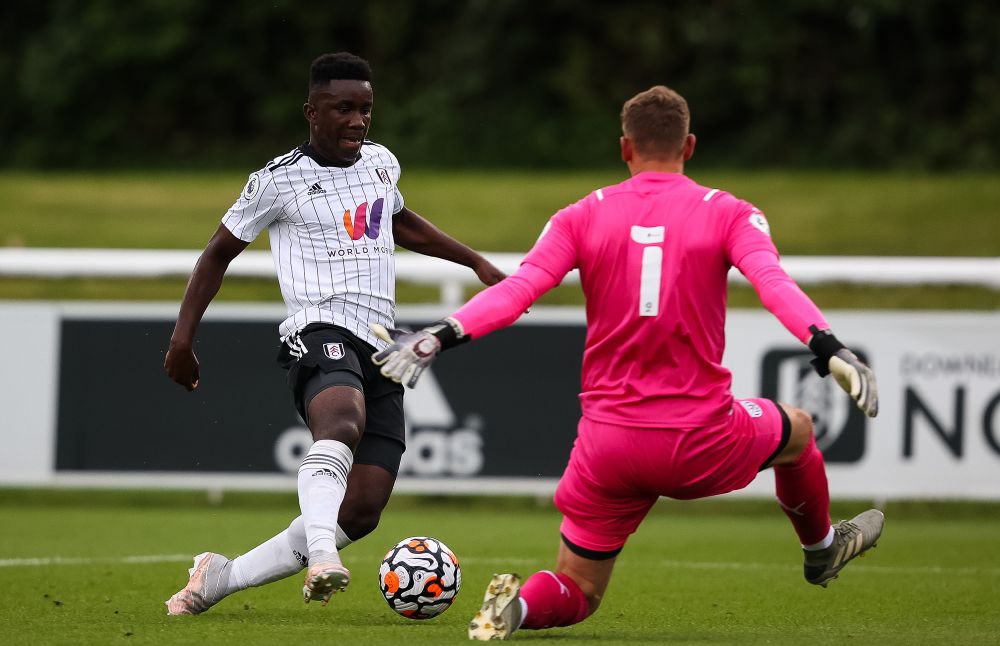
(659, 418)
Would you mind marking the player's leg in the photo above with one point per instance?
(377, 458)
(800, 480)
(280, 556)
(214, 577)
(602, 507)
(376, 424)
(803, 493)
(322, 358)
(546, 599)
(368, 489)
(336, 419)
(573, 592)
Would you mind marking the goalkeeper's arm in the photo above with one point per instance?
(409, 353)
(783, 298)
(857, 379)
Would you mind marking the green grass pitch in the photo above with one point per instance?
(95, 568)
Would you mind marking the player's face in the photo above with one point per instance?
(339, 115)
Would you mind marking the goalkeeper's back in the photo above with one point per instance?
(654, 252)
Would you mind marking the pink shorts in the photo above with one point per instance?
(616, 473)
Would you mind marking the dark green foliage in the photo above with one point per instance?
(864, 83)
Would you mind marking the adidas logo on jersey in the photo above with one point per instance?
(315, 189)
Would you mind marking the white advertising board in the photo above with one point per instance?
(937, 433)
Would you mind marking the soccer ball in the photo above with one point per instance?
(420, 577)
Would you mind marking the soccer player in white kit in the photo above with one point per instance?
(658, 416)
(334, 216)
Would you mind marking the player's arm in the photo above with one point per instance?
(409, 353)
(413, 232)
(796, 311)
(181, 364)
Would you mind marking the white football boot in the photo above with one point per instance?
(323, 580)
(206, 586)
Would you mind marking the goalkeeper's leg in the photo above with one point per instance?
(800, 482)
(546, 599)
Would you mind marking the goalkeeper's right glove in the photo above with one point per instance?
(851, 374)
(410, 353)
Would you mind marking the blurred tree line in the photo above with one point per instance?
(158, 83)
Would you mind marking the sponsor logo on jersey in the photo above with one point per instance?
(383, 175)
(751, 407)
(334, 350)
(253, 185)
(759, 222)
(364, 223)
(315, 189)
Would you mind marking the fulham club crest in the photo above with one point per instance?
(383, 175)
(334, 350)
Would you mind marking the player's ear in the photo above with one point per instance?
(628, 150)
(689, 143)
(309, 110)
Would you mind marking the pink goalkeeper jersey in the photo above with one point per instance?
(653, 252)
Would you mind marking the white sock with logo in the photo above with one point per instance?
(276, 558)
(322, 485)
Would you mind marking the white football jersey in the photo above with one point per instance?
(331, 236)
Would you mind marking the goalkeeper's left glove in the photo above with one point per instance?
(851, 374)
(409, 353)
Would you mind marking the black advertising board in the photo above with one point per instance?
(505, 406)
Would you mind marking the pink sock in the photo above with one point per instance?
(803, 494)
(553, 600)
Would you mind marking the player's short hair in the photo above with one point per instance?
(657, 122)
(340, 66)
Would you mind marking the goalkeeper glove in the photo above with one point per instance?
(850, 373)
(409, 353)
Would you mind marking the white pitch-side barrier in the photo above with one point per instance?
(451, 278)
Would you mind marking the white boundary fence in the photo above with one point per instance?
(451, 278)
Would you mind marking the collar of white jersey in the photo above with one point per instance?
(314, 155)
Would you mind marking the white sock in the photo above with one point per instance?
(278, 557)
(297, 536)
(823, 544)
(275, 558)
(322, 484)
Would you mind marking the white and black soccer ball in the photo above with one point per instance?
(420, 577)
